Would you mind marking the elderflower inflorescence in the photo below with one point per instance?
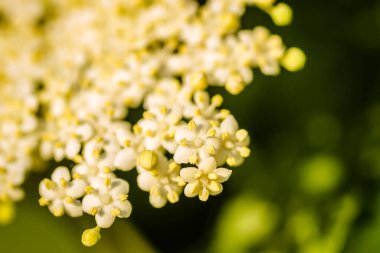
(71, 70)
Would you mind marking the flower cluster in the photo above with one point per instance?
(66, 96)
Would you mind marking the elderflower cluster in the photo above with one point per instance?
(72, 70)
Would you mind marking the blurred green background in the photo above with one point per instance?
(312, 184)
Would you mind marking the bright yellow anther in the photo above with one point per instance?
(212, 176)
(224, 113)
(107, 169)
(148, 115)
(231, 161)
(174, 167)
(48, 184)
(96, 153)
(214, 186)
(294, 59)
(149, 133)
(211, 132)
(211, 150)
(180, 181)
(281, 14)
(193, 159)
(191, 125)
(154, 172)
(94, 211)
(127, 143)
(241, 134)
(183, 142)
(58, 212)
(198, 81)
(77, 176)
(137, 129)
(89, 189)
(225, 136)
(43, 201)
(115, 212)
(172, 196)
(235, 84)
(69, 200)
(63, 182)
(107, 181)
(244, 152)
(91, 236)
(123, 197)
(148, 159)
(78, 159)
(214, 123)
(128, 101)
(217, 100)
(163, 109)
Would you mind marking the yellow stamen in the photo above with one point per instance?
(94, 211)
(123, 197)
(89, 189)
(115, 212)
(148, 159)
(43, 201)
(191, 125)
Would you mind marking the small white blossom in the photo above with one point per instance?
(235, 141)
(61, 193)
(205, 180)
(107, 201)
(196, 141)
(162, 181)
(70, 93)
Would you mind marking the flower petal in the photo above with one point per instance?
(76, 188)
(61, 172)
(125, 159)
(188, 173)
(145, 181)
(223, 174)
(104, 218)
(89, 202)
(73, 209)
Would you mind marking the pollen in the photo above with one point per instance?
(148, 159)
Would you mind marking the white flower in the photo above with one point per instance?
(196, 141)
(89, 172)
(8, 190)
(61, 193)
(107, 201)
(158, 127)
(266, 50)
(162, 181)
(205, 180)
(234, 148)
(70, 92)
(204, 106)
